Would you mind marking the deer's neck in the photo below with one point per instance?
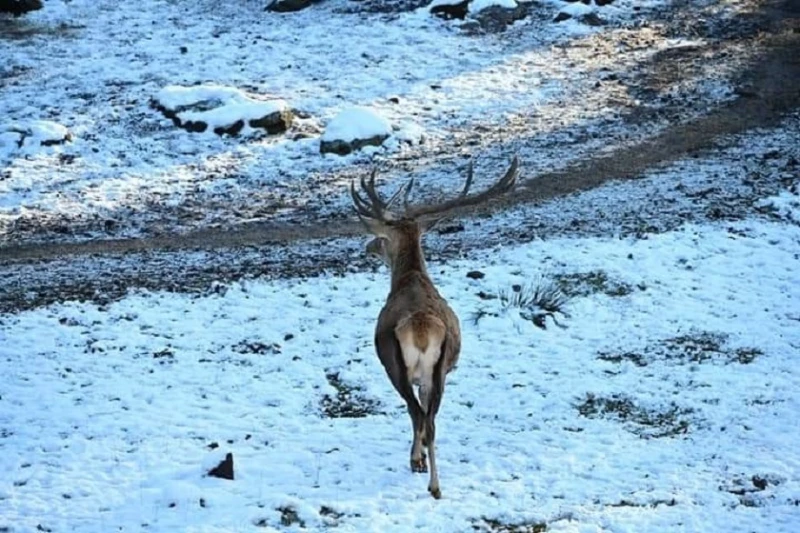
(411, 261)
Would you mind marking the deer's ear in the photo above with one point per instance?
(377, 248)
(376, 227)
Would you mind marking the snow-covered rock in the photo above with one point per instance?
(487, 16)
(31, 135)
(19, 7)
(354, 128)
(224, 110)
(494, 16)
(449, 9)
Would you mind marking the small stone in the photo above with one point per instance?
(475, 274)
(561, 17)
(184, 50)
(288, 6)
(224, 470)
(593, 19)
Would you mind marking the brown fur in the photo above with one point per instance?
(420, 327)
(418, 337)
(415, 314)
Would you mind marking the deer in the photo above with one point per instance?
(417, 335)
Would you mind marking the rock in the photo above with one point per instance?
(603, 2)
(495, 18)
(353, 129)
(29, 136)
(475, 274)
(288, 6)
(340, 147)
(450, 9)
(276, 122)
(592, 19)
(19, 7)
(224, 110)
(224, 469)
(561, 17)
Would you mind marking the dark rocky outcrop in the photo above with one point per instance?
(19, 7)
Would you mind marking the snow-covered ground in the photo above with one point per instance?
(669, 402)
(665, 398)
(553, 91)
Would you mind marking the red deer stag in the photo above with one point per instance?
(417, 338)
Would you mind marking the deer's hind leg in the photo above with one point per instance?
(390, 354)
(418, 458)
(432, 400)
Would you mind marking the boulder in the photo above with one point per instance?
(353, 129)
(19, 7)
(223, 110)
(495, 16)
(450, 9)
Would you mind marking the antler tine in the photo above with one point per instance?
(361, 206)
(501, 186)
(395, 196)
(407, 195)
(369, 188)
(468, 184)
(372, 206)
(509, 180)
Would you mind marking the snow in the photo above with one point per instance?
(108, 413)
(356, 123)
(111, 415)
(576, 9)
(476, 6)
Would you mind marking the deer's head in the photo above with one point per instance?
(398, 230)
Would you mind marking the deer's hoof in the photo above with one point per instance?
(435, 492)
(419, 466)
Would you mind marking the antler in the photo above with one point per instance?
(373, 207)
(501, 186)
